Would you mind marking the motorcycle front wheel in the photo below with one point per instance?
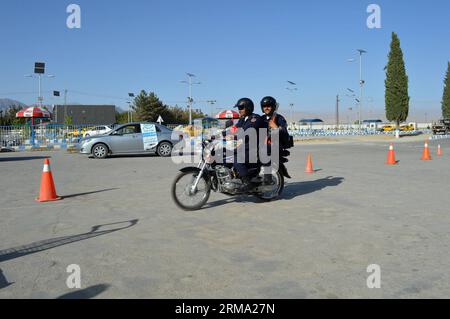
(187, 198)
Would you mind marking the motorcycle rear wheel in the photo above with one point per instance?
(278, 188)
(182, 193)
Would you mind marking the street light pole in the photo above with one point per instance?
(190, 83)
(39, 76)
(211, 103)
(190, 99)
(361, 84)
(292, 89)
(40, 96)
(130, 113)
(337, 112)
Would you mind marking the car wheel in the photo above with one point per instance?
(164, 149)
(100, 151)
(86, 135)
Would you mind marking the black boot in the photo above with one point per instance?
(246, 184)
(268, 180)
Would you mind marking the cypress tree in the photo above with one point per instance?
(446, 96)
(396, 83)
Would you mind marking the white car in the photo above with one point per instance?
(98, 130)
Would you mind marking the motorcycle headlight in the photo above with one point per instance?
(209, 159)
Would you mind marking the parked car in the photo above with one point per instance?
(407, 127)
(76, 133)
(389, 128)
(128, 139)
(10, 140)
(443, 127)
(98, 130)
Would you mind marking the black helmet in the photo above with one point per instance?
(269, 101)
(245, 103)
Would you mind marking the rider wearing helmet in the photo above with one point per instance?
(274, 121)
(248, 120)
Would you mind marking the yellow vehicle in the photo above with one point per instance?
(389, 128)
(408, 127)
(77, 132)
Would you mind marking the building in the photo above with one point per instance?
(85, 114)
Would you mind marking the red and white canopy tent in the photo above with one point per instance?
(33, 112)
(228, 114)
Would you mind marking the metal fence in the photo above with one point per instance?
(353, 132)
(61, 136)
(45, 135)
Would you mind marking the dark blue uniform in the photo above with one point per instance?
(283, 136)
(281, 122)
(253, 121)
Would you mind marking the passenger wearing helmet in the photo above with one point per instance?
(248, 120)
(274, 121)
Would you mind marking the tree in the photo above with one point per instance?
(68, 120)
(148, 107)
(9, 117)
(396, 83)
(446, 95)
(121, 118)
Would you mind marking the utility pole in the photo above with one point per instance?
(337, 112)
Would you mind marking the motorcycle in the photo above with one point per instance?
(192, 186)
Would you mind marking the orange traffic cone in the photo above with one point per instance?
(439, 152)
(48, 191)
(426, 153)
(309, 165)
(391, 156)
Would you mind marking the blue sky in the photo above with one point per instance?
(235, 48)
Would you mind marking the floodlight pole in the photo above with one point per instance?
(361, 84)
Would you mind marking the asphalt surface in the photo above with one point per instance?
(118, 223)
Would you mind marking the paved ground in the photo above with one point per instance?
(119, 224)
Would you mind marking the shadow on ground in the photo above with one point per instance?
(291, 191)
(25, 158)
(88, 193)
(3, 281)
(86, 293)
(47, 244)
(117, 156)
